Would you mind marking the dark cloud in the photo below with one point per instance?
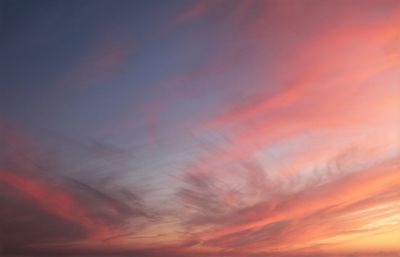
(41, 208)
(23, 223)
(129, 205)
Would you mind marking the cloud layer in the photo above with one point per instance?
(214, 128)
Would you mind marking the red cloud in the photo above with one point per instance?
(55, 201)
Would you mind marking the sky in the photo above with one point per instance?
(209, 128)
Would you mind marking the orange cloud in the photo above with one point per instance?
(343, 92)
(310, 164)
(348, 204)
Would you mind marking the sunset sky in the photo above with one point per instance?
(210, 128)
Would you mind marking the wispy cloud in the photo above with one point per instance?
(102, 62)
(41, 206)
(298, 106)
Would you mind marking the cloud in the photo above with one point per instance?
(103, 61)
(197, 11)
(42, 208)
(343, 205)
(306, 156)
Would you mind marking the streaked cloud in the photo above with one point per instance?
(210, 128)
